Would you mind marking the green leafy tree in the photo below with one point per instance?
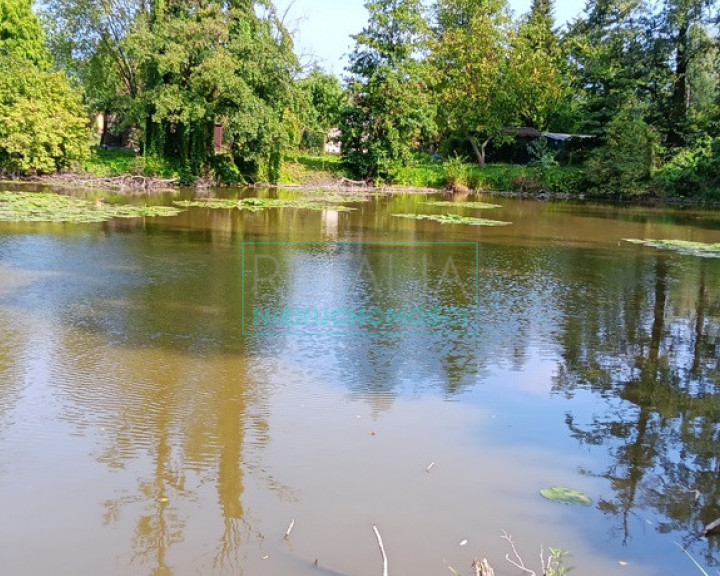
(624, 164)
(686, 46)
(20, 33)
(389, 113)
(470, 61)
(174, 69)
(614, 60)
(536, 74)
(320, 103)
(43, 125)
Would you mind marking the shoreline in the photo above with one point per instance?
(131, 184)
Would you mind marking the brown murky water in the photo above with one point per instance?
(148, 424)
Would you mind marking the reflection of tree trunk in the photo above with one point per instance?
(699, 322)
(658, 326)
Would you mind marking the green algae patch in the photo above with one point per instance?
(472, 205)
(454, 219)
(257, 204)
(48, 207)
(699, 249)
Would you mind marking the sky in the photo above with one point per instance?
(322, 28)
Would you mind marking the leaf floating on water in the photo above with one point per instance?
(700, 249)
(463, 543)
(454, 219)
(563, 495)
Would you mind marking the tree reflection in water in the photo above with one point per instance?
(650, 349)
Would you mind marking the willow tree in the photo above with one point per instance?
(470, 60)
(174, 68)
(213, 62)
(389, 112)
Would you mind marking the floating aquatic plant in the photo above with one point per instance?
(700, 249)
(563, 495)
(256, 204)
(48, 207)
(473, 205)
(454, 219)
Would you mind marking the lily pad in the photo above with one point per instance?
(700, 249)
(563, 495)
(454, 219)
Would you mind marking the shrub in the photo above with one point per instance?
(693, 172)
(45, 126)
(624, 165)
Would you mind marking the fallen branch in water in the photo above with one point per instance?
(382, 551)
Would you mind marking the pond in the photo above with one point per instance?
(178, 393)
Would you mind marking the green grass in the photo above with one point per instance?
(110, 163)
(492, 178)
(305, 169)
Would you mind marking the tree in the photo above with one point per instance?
(470, 60)
(44, 125)
(320, 102)
(614, 60)
(624, 164)
(174, 69)
(686, 45)
(20, 33)
(389, 112)
(536, 74)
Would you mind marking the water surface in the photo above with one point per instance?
(143, 430)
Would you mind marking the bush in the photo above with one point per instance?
(693, 172)
(624, 165)
(45, 126)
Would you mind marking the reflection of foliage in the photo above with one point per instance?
(651, 350)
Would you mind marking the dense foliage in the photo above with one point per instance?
(448, 78)
(43, 122)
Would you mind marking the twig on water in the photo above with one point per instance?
(292, 525)
(430, 467)
(382, 550)
(518, 562)
(693, 559)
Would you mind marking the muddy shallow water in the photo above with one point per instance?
(151, 423)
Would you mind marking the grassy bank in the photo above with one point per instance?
(112, 163)
(308, 170)
(327, 170)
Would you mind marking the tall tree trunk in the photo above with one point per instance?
(680, 94)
